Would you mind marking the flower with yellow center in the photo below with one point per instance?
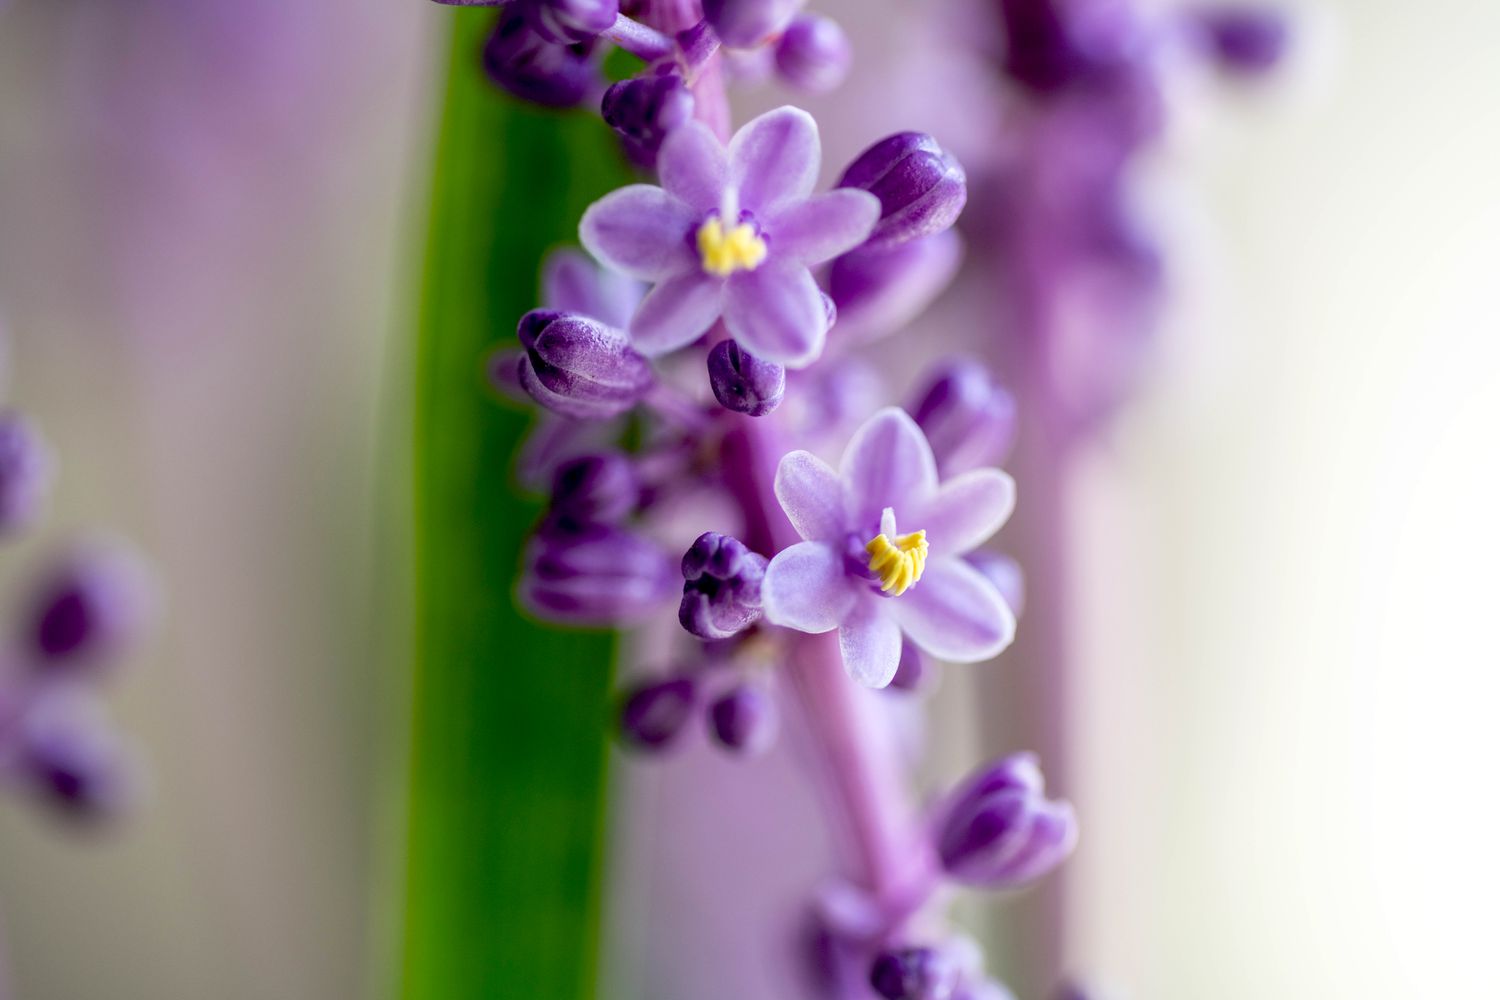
(725, 251)
(898, 563)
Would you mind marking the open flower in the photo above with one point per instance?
(857, 574)
(732, 233)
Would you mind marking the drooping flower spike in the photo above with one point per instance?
(732, 234)
(856, 573)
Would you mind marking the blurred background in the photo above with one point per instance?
(211, 220)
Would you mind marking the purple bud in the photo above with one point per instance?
(744, 383)
(745, 719)
(1051, 46)
(90, 605)
(596, 575)
(879, 290)
(72, 757)
(914, 974)
(912, 671)
(563, 22)
(645, 109)
(1005, 574)
(579, 367)
(721, 592)
(598, 488)
(742, 24)
(25, 471)
(1000, 831)
(968, 419)
(653, 714)
(814, 53)
(1244, 39)
(921, 188)
(536, 70)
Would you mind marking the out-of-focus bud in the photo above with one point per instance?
(653, 714)
(745, 719)
(92, 603)
(564, 22)
(922, 189)
(1000, 831)
(1005, 574)
(579, 367)
(721, 592)
(534, 69)
(744, 383)
(1051, 47)
(814, 53)
(25, 471)
(599, 575)
(643, 110)
(1242, 39)
(742, 24)
(913, 670)
(600, 488)
(969, 420)
(72, 757)
(914, 974)
(880, 290)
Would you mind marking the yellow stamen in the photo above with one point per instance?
(898, 564)
(727, 251)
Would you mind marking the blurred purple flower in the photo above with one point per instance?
(1000, 831)
(814, 53)
(600, 575)
(26, 469)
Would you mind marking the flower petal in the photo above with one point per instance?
(870, 641)
(965, 511)
(571, 282)
(640, 230)
(693, 166)
(775, 158)
(676, 312)
(823, 226)
(776, 312)
(953, 613)
(805, 588)
(888, 463)
(812, 496)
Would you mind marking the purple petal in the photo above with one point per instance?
(870, 641)
(676, 312)
(571, 282)
(805, 588)
(823, 226)
(812, 496)
(888, 463)
(965, 511)
(641, 231)
(693, 166)
(955, 614)
(774, 159)
(776, 312)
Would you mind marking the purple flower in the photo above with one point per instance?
(88, 606)
(579, 367)
(921, 187)
(856, 573)
(721, 589)
(564, 22)
(1005, 574)
(599, 575)
(744, 719)
(744, 383)
(1000, 831)
(25, 471)
(654, 713)
(535, 69)
(969, 420)
(573, 283)
(914, 974)
(72, 757)
(745, 23)
(1245, 39)
(601, 488)
(814, 53)
(646, 110)
(912, 671)
(879, 290)
(732, 233)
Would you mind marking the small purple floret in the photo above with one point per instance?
(645, 109)
(922, 189)
(814, 53)
(744, 383)
(914, 974)
(89, 606)
(564, 22)
(535, 69)
(743, 24)
(599, 488)
(579, 367)
(721, 589)
(913, 671)
(744, 719)
(73, 758)
(25, 471)
(654, 714)
(1006, 574)
(1248, 40)
(1000, 831)
(969, 420)
(598, 575)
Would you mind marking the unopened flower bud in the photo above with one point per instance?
(1243, 39)
(564, 22)
(643, 110)
(744, 383)
(1005, 574)
(601, 488)
(879, 290)
(597, 575)
(1000, 831)
(969, 420)
(88, 606)
(914, 974)
(73, 758)
(745, 719)
(742, 24)
(721, 589)
(653, 714)
(922, 189)
(913, 670)
(25, 471)
(579, 367)
(814, 53)
(534, 69)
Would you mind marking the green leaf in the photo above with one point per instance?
(504, 839)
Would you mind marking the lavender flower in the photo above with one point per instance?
(579, 367)
(856, 573)
(25, 471)
(564, 22)
(72, 758)
(969, 420)
(1243, 39)
(879, 290)
(744, 383)
(600, 575)
(746, 23)
(721, 592)
(732, 234)
(645, 110)
(1000, 831)
(598, 488)
(814, 53)
(573, 283)
(89, 605)
(922, 189)
(744, 719)
(912, 669)
(914, 974)
(535, 69)
(654, 714)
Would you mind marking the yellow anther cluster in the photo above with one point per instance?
(725, 251)
(898, 564)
